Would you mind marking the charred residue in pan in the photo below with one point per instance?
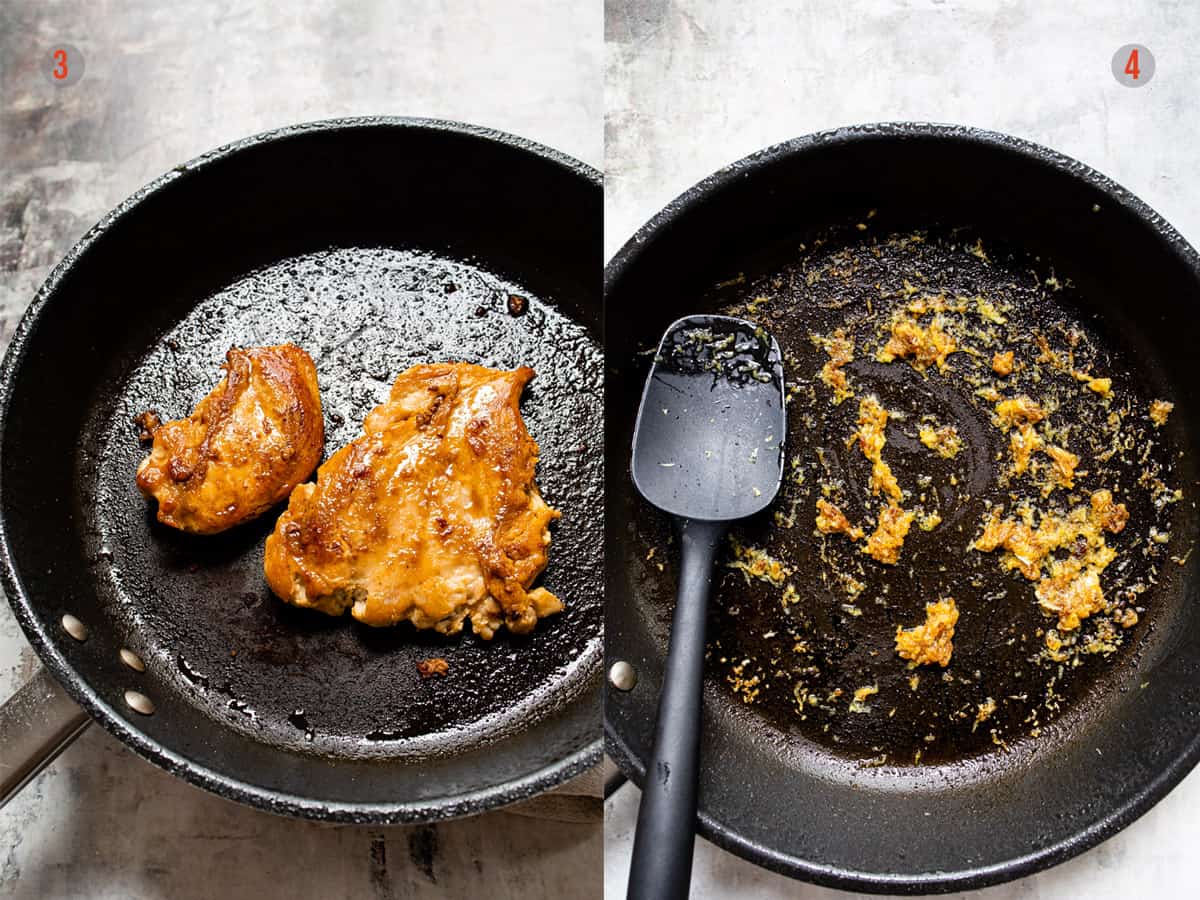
(332, 686)
(805, 613)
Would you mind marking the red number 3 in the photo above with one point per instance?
(1131, 67)
(60, 70)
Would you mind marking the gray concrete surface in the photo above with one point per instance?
(164, 82)
(691, 86)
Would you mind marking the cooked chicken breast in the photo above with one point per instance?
(246, 445)
(432, 516)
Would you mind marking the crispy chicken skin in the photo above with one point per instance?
(432, 516)
(256, 436)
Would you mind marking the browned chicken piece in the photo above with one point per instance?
(432, 516)
(256, 436)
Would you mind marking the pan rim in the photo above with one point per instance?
(393, 812)
(970, 877)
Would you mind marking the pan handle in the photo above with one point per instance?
(661, 868)
(36, 724)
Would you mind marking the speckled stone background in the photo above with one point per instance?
(691, 86)
(165, 81)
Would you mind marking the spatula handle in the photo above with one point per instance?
(662, 848)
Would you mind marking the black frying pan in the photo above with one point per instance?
(374, 244)
(841, 799)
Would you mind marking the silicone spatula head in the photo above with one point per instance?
(708, 444)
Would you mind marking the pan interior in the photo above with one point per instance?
(374, 245)
(972, 812)
(811, 649)
(199, 605)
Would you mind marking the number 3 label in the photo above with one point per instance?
(1133, 65)
(63, 65)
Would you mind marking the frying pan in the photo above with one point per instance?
(374, 244)
(971, 813)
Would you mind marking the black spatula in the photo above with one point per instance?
(708, 449)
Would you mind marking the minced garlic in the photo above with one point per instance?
(1159, 410)
(944, 441)
(1063, 471)
(754, 562)
(888, 538)
(831, 520)
(933, 641)
(859, 703)
(923, 347)
(1023, 442)
(841, 352)
(1067, 587)
(1019, 411)
(872, 419)
(984, 712)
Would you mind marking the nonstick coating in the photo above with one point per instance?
(844, 618)
(963, 821)
(375, 245)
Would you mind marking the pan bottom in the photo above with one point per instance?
(803, 624)
(197, 609)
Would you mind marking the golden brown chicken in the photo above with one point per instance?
(432, 516)
(256, 436)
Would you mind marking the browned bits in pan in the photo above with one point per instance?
(431, 667)
(517, 305)
(1159, 410)
(147, 423)
(1002, 363)
(982, 395)
(931, 642)
(831, 520)
(886, 541)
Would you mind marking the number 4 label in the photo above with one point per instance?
(1133, 65)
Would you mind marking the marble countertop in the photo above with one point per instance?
(693, 86)
(164, 82)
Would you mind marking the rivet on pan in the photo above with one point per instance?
(622, 675)
(132, 660)
(74, 627)
(139, 702)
